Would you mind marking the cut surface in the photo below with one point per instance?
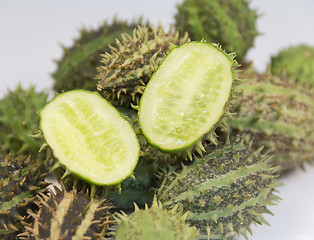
(186, 96)
(90, 137)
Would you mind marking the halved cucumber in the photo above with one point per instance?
(186, 96)
(90, 137)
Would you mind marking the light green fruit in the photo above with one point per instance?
(19, 120)
(297, 62)
(154, 223)
(230, 23)
(69, 215)
(277, 113)
(90, 137)
(187, 96)
(77, 67)
(225, 191)
(126, 69)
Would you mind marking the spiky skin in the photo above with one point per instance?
(19, 120)
(229, 23)
(225, 191)
(125, 71)
(69, 215)
(277, 113)
(295, 61)
(154, 223)
(77, 67)
(21, 180)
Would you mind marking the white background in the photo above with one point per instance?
(31, 31)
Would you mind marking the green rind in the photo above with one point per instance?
(68, 168)
(225, 110)
(77, 67)
(278, 113)
(229, 23)
(89, 48)
(225, 191)
(16, 200)
(154, 223)
(269, 88)
(18, 120)
(295, 61)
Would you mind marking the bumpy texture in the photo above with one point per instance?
(19, 120)
(295, 61)
(229, 23)
(277, 113)
(225, 191)
(154, 223)
(69, 215)
(77, 67)
(125, 71)
(21, 180)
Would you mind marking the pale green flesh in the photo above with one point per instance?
(90, 137)
(186, 96)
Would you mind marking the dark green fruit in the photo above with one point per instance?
(125, 71)
(297, 62)
(19, 120)
(225, 191)
(229, 23)
(139, 189)
(21, 180)
(69, 215)
(77, 67)
(277, 113)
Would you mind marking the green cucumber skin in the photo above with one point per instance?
(18, 120)
(154, 223)
(296, 62)
(232, 180)
(230, 23)
(277, 112)
(76, 174)
(190, 147)
(77, 67)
